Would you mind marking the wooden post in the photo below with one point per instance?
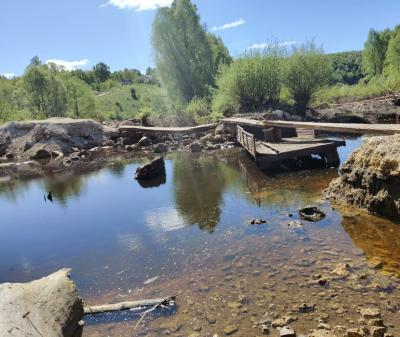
(332, 158)
(268, 134)
(277, 134)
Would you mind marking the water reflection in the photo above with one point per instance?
(378, 238)
(198, 185)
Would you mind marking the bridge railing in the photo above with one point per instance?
(247, 140)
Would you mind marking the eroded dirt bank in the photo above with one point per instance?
(370, 178)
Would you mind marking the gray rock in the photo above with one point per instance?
(160, 148)
(41, 154)
(295, 224)
(311, 214)
(154, 169)
(144, 141)
(287, 331)
(195, 147)
(50, 305)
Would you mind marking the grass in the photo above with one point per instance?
(376, 87)
(117, 103)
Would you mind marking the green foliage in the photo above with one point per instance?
(375, 52)
(375, 87)
(220, 53)
(200, 109)
(183, 53)
(81, 102)
(250, 83)
(392, 66)
(346, 67)
(46, 93)
(101, 72)
(306, 71)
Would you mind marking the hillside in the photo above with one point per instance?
(120, 103)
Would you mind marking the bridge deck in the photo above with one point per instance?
(166, 130)
(333, 127)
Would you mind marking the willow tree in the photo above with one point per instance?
(393, 54)
(182, 51)
(374, 53)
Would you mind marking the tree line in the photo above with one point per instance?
(201, 79)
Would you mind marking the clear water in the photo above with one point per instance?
(191, 236)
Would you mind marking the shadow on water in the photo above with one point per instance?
(128, 315)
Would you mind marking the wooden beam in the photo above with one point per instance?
(166, 130)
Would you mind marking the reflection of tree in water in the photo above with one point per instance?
(199, 184)
(378, 238)
(285, 190)
(64, 187)
(117, 169)
(14, 189)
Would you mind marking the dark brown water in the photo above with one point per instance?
(190, 236)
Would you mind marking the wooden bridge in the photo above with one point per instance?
(354, 128)
(268, 153)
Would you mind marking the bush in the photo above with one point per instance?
(375, 87)
(199, 108)
(250, 83)
(307, 70)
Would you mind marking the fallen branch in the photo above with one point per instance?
(128, 305)
(163, 304)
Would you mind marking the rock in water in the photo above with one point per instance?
(195, 147)
(311, 214)
(154, 169)
(370, 178)
(46, 307)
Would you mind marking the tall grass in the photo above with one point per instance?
(375, 87)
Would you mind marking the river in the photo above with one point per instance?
(191, 236)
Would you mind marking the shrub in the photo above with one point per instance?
(307, 70)
(199, 108)
(250, 83)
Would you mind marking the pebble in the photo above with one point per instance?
(287, 331)
(230, 329)
(370, 313)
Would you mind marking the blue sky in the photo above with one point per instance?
(117, 32)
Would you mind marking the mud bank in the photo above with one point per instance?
(370, 178)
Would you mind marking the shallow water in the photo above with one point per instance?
(191, 236)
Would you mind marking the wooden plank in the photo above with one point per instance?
(166, 130)
(247, 140)
(333, 127)
(340, 127)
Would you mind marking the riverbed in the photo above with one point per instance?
(190, 236)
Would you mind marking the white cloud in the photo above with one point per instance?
(138, 5)
(266, 45)
(69, 65)
(230, 25)
(8, 75)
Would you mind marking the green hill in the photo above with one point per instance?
(131, 101)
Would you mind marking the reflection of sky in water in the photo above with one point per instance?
(105, 223)
(164, 219)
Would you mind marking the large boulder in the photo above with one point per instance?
(46, 307)
(154, 169)
(370, 178)
(25, 139)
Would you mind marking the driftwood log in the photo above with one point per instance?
(128, 305)
(46, 307)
